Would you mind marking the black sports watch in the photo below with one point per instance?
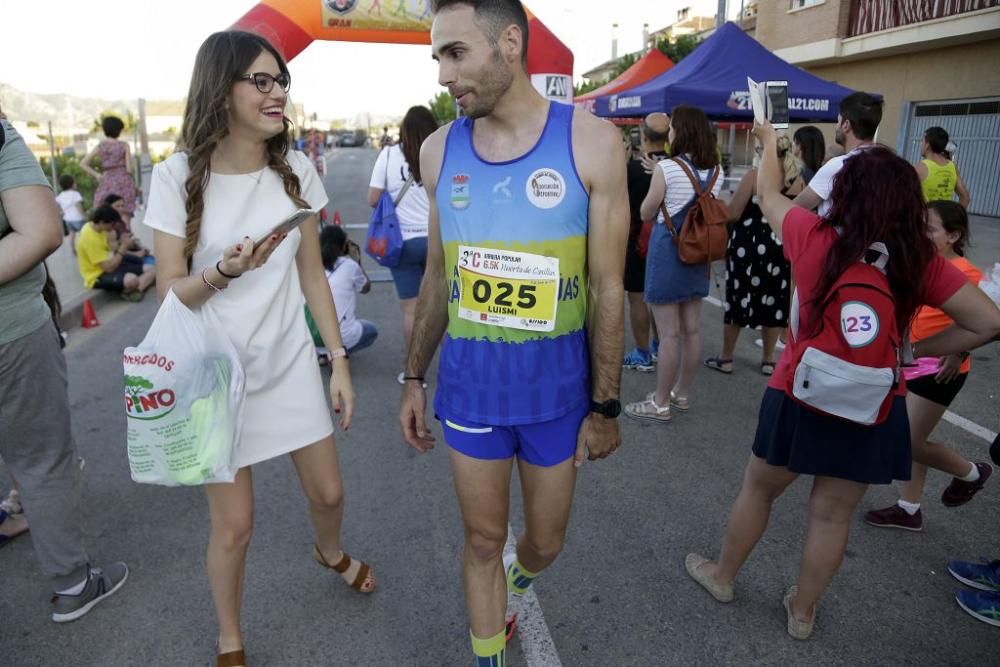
(610, 408)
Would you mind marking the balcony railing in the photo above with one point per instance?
(875, 15)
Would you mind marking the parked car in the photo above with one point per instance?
(352, 138)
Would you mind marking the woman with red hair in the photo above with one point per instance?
(876, 199)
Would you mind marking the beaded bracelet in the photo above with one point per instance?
(208, 283)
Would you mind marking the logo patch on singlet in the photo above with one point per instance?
(546, 188)
(460, 191)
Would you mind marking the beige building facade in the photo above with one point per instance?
(934, 62)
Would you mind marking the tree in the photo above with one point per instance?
(443, 108)
(679, 48)
(621, 65)
(70, 164)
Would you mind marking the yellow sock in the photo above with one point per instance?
(519, 579)
(490, 652)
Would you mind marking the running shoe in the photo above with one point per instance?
(982, 606)
(895, 516)
(638, 360)
(779, 345)
(985, 575)
(101, 584)
(958, 492)
(515, 602)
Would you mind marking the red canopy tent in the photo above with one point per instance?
(651, 65)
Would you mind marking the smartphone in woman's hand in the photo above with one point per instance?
(288, 224)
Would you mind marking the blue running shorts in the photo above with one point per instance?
(542, 444)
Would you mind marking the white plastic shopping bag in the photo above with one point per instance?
(184, 388)
(991, 284)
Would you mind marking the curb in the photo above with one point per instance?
(73, 310)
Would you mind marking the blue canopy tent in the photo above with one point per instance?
(713, 78)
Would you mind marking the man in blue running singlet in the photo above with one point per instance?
(528, 223)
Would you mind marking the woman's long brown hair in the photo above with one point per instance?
(418, 124)
(222, 58)
(877, 197)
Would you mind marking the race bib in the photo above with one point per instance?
(504, 288)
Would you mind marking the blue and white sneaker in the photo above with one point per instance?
(985, 576)
(982, 606)
(654, 349)
(637, 360)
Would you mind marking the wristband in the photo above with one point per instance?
(218, 267)
(339, 352)
(415, 378)
(208, 283)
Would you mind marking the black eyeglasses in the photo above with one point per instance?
(265, 82)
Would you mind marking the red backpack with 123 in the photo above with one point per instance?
(849, 366)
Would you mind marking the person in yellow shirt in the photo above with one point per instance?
(107, 269)
(939, 177)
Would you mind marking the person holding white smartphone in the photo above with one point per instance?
(233, 181)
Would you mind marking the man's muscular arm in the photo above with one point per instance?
(594, 141)
(432, 305)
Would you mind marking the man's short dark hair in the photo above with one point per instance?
(66, 182)
(493, 17)
(865, 113)
(105, 214)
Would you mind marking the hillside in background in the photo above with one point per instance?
(65, 111)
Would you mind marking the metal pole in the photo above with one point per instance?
(720, 17)
(52, 159)
(145, 171)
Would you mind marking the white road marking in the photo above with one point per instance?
(536, 640)
(356, 226)
(970, 426)
(955, 420)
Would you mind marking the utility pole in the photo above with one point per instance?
(52, 159)
(145, 160)
(720, 17)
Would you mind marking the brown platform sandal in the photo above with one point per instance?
(231, 659)
(364, 576)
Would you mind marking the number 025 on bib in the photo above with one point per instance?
(505, 288)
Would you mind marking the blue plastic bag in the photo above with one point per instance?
(384, 240)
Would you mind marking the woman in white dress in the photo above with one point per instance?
(234, 181)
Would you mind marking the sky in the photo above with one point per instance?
(125, 49)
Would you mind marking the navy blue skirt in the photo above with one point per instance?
(806, 442)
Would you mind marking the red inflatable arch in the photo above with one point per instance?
(291, 25)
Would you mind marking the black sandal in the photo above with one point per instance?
(715, 363)
(767, 368)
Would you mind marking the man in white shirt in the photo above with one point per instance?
(859, 118)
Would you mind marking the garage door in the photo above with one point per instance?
(974, 126)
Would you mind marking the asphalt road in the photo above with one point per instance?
(617, 596)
